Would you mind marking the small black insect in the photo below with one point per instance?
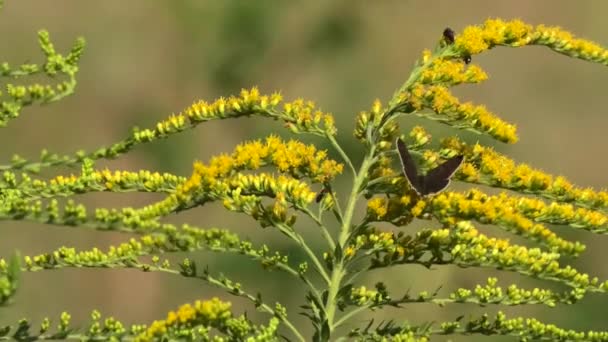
(436, 180)
(448, 35)
(321, 194)
(467, 59)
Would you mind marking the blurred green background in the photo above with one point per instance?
(147, 59)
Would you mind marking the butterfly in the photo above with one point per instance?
(436, 180)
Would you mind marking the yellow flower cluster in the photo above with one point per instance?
(249, 101)
(451, 72)
(221, 180)
(557, 213)
(241, 193)
(372, 126)
(564, 42)
(362, 296)
(499, 210)
(420, 136)
(301, 116)
(473, 248)
(515, 33)
(96, 257)
(383, 168)
(209, 313)
(396, 209)
(110, 180)
(486, 166)
(375, 239)
(452, 112)
(388, 248)
(476, 39)
(491, 293)
(293, 157)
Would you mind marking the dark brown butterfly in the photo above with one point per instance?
(436, 180)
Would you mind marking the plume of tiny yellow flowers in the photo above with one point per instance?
(449, 110)
(447, 72)
(89, 180)
(17, 96)
(371, 127)
(241, 193)
(292, 157)
(501, 211)
(398, 210)
(515, 33)
(249, 102)
(470, 247)
(387, 248)
(513, 295)
(486, 166)
(299, 116)
(420, 137)
(363, 296)
(556, 213)
(210, 314)
(221, 179)
(106, 180)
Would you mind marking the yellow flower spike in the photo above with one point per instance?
(471, 40)
(515, 33)
(496, 169)
(450, 111)
(564, 42)
(451, 72)
(210, 312)
(504, 211)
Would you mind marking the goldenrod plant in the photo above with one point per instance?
(277, 182)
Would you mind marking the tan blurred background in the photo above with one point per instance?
(147, 59)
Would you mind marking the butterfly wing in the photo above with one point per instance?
(409, 167)
(438, 178)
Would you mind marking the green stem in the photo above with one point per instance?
(299, 240)
(330, 241)
(338, 271)
(343, 154)
(348, 316)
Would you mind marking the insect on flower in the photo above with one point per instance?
(448, 35)
(436, 180)
(321, 194)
